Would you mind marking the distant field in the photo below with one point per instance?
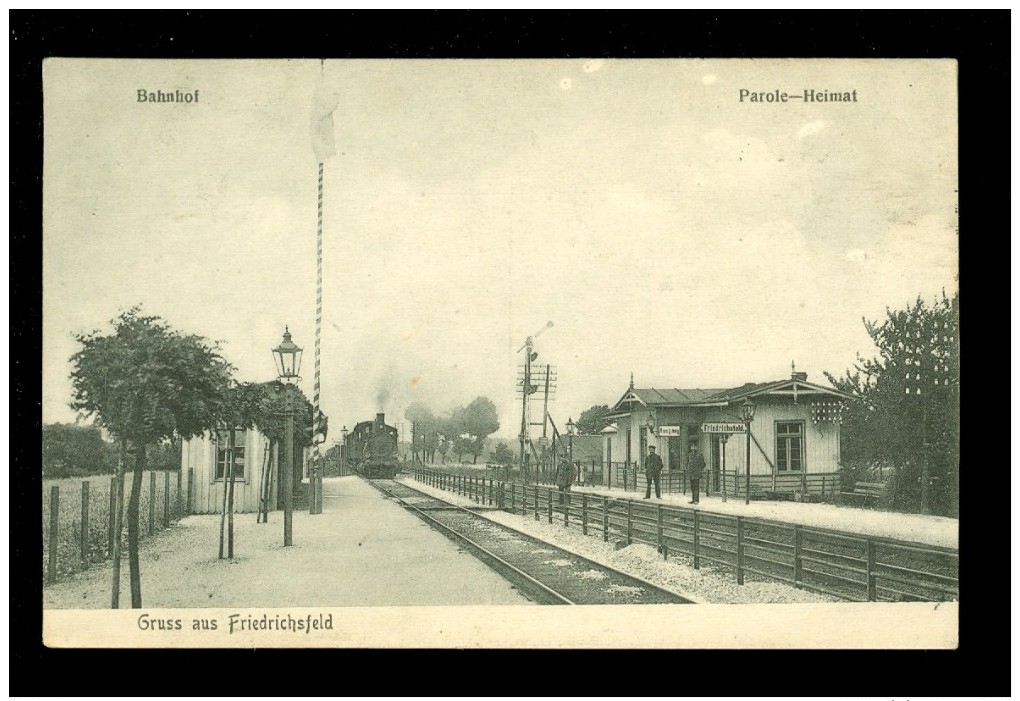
(72, 556)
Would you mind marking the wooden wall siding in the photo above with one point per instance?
(200, 455)
(821, 441)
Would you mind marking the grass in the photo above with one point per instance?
(72, 555)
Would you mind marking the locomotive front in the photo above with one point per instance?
(372, 449)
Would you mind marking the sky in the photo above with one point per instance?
(666, 228)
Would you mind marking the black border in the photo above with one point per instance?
(979, 40)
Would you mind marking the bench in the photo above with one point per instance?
(865, 492)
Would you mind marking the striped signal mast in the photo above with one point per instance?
(324, 147)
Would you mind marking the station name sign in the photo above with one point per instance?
(668, 431)
(721, 427)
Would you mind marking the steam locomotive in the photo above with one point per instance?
(371, 449)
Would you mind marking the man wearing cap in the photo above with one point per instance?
(695, 466)
(653, 469)
(564, 476)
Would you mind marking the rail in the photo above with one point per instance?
(846, 566)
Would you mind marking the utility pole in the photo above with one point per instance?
(526, 390)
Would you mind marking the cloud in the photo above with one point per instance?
(811, 128)
(708, 79)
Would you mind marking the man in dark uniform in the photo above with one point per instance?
(653, 469)
(695, 466)
(564, 476)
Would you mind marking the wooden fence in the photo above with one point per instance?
(843, 565)
(78, 516)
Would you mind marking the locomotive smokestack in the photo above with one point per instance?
(380, 418)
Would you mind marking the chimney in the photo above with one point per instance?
(799, 376)
(380, 418)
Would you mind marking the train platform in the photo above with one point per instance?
(363, 550)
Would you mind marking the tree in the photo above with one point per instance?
(502, 455)
(479, 419)
(463, 445)
(909, 409)
(147, 383)
(593, 420)
(423, 430)
(70, 451)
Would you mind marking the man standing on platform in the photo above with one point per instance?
(695, 466)
(653, 470)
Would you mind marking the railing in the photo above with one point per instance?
(629, 477)
(846, 566)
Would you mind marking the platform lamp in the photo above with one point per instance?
(747, 414)
(571, 427)
(343, 447)
(288, 365)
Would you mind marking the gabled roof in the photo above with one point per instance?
(654, 397)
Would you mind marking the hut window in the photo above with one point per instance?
(790, 446)
(223, 447)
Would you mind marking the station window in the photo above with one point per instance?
(222, 448)
(790, 446)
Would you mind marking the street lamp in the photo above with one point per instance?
(747, 413)
(288, 365)
(343, 447)
(571, 426)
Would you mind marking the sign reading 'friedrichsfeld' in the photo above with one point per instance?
(721, 427)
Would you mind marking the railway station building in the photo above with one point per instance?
(256, 470)
(795, 434)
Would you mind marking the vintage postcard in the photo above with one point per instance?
(595, 353)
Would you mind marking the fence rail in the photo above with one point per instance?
(846, 566)
(78, 524)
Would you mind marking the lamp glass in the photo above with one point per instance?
(747, 410)
(288, 357)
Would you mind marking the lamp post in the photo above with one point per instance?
(288, 364)
(570, 441)
(747, 413)
(343, 448)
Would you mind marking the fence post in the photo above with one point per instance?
(84, 521)
(566, 508)
(536, 502)
(697, 540)
(513, 498)
(152, 503)
(872, 579)
(797, 545)
(180, 502)
(740, 549)
(605, 519)
(113, 510)
(191, 481)
(51, 575)
(166, 499)
(584, 514)
(548, 494)
(630, 519)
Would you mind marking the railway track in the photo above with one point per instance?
(542, 572)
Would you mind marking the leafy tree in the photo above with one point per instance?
(462, 445)
(593, 420)
(502, 455)
(424, 433)
(908, 413)
(147, 383)
(479, 419)
(69, 450)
